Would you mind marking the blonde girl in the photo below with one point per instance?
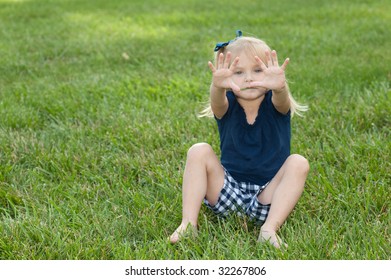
(256, 174)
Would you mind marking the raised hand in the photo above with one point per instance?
(274, 75)
(222, 74)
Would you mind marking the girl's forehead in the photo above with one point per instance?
(246, 60)
(250, 52)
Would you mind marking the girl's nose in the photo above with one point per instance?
(248, 78)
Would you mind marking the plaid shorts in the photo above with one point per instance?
(238, 197)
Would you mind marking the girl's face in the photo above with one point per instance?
(247, 71)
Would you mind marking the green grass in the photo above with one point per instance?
(92, 145)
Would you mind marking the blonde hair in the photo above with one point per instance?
(253, 47)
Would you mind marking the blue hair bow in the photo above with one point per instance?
(224, 44)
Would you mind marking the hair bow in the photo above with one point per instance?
(224, 44)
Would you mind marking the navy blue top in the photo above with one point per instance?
(254, 153)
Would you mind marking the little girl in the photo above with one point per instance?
(256, 175)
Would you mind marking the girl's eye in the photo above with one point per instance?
(258, 70)
(238, 72)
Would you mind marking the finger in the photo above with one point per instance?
(274, 58)
(220, 61)
(235, 88)
(285, 64)
(260, 62)
(234, 64)
(268, 59)
(256, 84)
(227, 60)
(211, 66)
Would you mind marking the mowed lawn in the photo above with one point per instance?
(99, 103)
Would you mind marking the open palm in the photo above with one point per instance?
(274, 75)
(222, 74)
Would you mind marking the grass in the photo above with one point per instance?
(98, 104)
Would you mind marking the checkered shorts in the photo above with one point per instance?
(240, 198)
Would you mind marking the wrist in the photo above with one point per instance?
(282, 90)
(213, 86)
(216, 89)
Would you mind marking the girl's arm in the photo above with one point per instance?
(221, 81)
(281, 99)
(218, 101)
(274, 79)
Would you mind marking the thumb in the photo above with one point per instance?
(234, 87)
(257, 84)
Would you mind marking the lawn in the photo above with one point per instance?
(99, 103)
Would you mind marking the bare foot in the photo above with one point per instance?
(271, 237)
(183, 230)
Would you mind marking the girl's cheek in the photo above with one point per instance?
(260, 75)
(237, 79)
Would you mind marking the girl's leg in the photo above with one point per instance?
(203, 177)
(282, 193)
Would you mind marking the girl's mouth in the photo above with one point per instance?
(247, 88)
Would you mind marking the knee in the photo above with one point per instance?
(299, 163)
(199, 151)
